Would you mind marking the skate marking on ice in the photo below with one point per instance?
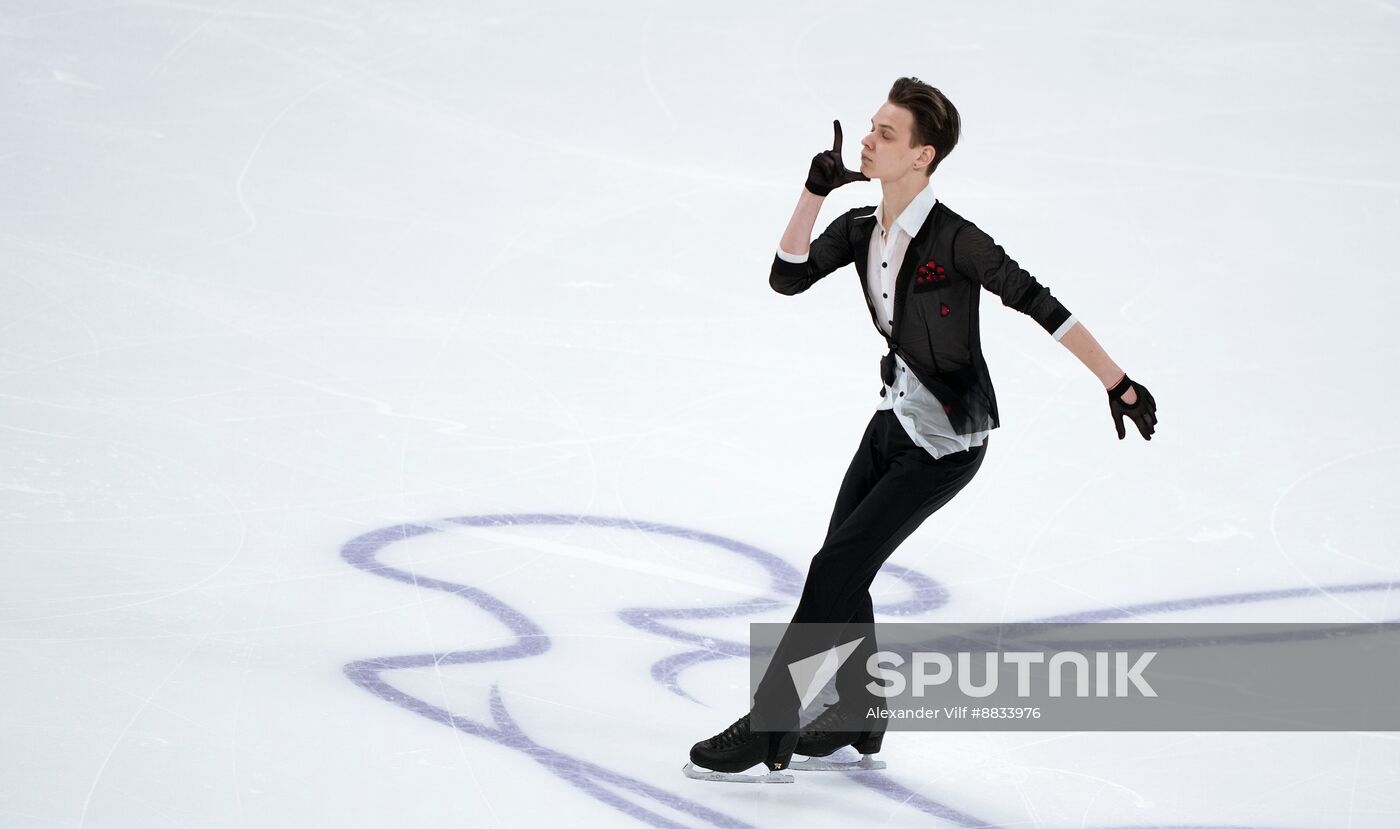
(361, 552)
(694, 772)
(630, 796)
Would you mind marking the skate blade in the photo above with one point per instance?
(694, 772)
(865, 763)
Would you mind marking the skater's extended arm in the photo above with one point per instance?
(1083, 345)
(798, 264)
(981, 258)
(1125, 397)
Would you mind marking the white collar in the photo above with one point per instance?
(912, 219)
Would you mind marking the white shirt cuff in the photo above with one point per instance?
(1064, 328)
(795, 258)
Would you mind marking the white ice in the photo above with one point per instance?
(279, 276)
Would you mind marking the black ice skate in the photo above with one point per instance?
(737, 748)
(833, 729)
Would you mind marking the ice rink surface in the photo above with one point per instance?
(399, 429)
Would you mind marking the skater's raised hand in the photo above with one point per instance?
(1142, 411)
(828, 170)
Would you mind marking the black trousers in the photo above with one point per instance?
(891, 486)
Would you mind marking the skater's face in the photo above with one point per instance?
(885, 152)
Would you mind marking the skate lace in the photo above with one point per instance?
(734, 734)
(829, 720)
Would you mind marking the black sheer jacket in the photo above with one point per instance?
(937, 290)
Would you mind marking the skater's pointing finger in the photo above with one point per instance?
(837, 145)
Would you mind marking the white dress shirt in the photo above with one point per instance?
(917, 409)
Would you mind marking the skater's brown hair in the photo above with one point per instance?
(936, 120)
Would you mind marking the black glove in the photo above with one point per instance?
(829, 171)
(1143, 412)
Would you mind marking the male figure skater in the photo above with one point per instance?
(922, 268)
